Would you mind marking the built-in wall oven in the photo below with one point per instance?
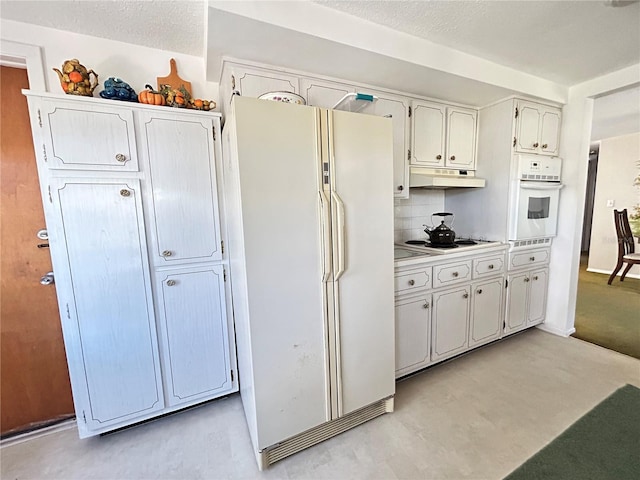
(535, 196)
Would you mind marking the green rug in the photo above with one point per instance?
(603, 444)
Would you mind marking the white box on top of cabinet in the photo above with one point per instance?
(131, 205)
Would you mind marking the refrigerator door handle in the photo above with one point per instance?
(340, 235)
(326, 236)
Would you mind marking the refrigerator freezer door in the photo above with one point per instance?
(277, 267)
(361, 157)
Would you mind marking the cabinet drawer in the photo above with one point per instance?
(483, 267)
(451, 273)
(411, 280)
(89, 137)
(528, 258)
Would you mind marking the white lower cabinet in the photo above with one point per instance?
(486, 311)
(413, 333)
(450, 322)
(526, 299)
(192, 318)
(538, 287)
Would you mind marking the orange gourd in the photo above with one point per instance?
(151, 97)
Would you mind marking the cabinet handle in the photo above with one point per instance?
(526, 279)
(171, 283)
(167, 253)
(479, 291)
(532, 259)
(426, 305)
(400, 188)
(438, 157)
(121, 158)
(466, 295)
(453, 157)
(535, 145)
(412, 282)
(535, 277)
(491, 267)
(454, 274)
(544, 145)
(125, 193)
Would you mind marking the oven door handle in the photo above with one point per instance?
(540, 186)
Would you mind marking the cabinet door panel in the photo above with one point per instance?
(413, 321)
(461, 138)
(550, 131)
(323, 94)
(427, 134)
(517, 302)
(191, 308)
(183, 184)
(538, 296)
(109, 278)
(255, 82)
(107, 133)
(528, 127)
(450, 322)
(486, 311)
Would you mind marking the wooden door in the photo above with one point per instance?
(35, 385)
(527, 133)
(450, 322)
(193, 326)
(413, 333)
(486, 311)
(427, 134)
(461, 138)
(517, 293)
(550, 131)
(538, 296)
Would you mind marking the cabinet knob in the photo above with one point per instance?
(438, 157)
(535, 277)
(453, 157)
(121, 158)
(544, 145)
(532, 259)
(167, 253)
(125, 193)
(412, 282)
(400, 188)
(465, 295)
(454, 274)
(426, 305)
(535, 145)
(171, 283)
(490, 267)
(479, 291)
(526, 279)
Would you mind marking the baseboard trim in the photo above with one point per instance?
(608, 272)
(37, 433)
(556, 331)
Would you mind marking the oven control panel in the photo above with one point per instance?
(539, 168)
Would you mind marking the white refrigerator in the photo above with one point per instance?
(309, 202)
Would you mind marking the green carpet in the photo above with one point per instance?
(608, 315)
(603, 444)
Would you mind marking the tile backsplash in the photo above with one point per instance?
(411, 214)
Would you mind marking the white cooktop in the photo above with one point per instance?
(443, 251)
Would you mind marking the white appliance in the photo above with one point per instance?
(441, 178)
(309, 196)
(535, 197)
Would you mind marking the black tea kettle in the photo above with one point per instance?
(442, 234)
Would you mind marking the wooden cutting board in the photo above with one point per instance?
(173, 79)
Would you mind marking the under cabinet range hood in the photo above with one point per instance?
(441, 178)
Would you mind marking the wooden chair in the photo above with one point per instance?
(626, 247)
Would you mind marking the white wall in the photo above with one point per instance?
(411, 214)
(618, 165)
(135, 64)
(616, 114)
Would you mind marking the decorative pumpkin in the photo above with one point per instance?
(175, 97)
(200, 104)
(151, 97)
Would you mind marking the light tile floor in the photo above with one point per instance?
(479, 416)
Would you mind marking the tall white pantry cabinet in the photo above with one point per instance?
(130, 195)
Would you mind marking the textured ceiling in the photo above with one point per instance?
(177, 26)
(564, 41)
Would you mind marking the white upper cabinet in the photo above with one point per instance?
(443, 136)
(253, 82)
(323, 93)
(537, 128)
(180, 154)
(88, 137)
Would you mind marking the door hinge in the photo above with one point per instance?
(39, 119)
(232, 375)
(68, 314)
(50, 198)
(84, 416)
(516, 112)
(224, 274)
(409, 112)
(222, 246)
(409, 154)
(506, 283)
(44, 152)
(504, 324)
(514, 141)
(213, 130)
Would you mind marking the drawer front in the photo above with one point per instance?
(528, 258)
(411, 280)
(483, 267)
(451, 273)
